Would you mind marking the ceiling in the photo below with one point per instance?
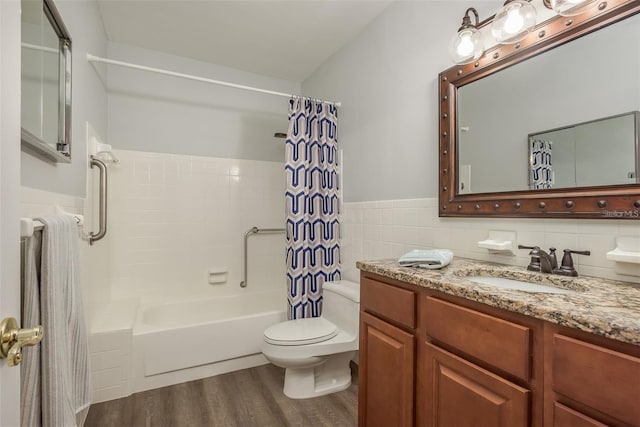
(283, 39)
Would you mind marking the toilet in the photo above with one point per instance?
(316, 352)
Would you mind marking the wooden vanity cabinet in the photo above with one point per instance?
(430, 359)
(477, 366)
(386, 373)
(590, 380)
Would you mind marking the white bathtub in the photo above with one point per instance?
(199, 334)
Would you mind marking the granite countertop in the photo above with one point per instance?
(600, 306)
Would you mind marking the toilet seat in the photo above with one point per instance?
(301, 331)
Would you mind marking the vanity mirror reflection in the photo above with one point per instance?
(547, 127)
(45, 82)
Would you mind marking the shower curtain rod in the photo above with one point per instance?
(93, 58)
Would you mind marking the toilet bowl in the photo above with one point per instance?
(316, 352)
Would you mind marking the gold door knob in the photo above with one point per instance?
(12, 339)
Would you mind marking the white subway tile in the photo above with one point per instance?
(371, 217)
(110, 393)
(629, 228)
(109, 341)
(442, 238)
(599, 245)
(386, 216)
(561, 241)
(108, 377)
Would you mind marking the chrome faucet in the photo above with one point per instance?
(548, 262)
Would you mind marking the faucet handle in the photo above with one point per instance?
(528, 247)
(534, 263)
(554, 259)
(567, 269)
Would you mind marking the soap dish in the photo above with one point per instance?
(626, 255)
(499, 242)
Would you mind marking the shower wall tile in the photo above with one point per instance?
(173, 217)
(387, 229)
(94, 260)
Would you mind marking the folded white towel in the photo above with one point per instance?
(426, 258)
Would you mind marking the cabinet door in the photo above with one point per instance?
(599, 378)
(567, 417)
(458, 393)
(386, 374)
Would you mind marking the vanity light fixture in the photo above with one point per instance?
(468, 44)
(570, 7)
(514, 20)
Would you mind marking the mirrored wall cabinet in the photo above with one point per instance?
(547, 126)
(46, 82)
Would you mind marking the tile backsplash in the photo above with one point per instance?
(387, 229)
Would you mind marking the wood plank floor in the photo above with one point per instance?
(250, 397)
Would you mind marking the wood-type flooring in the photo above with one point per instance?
(246, 398)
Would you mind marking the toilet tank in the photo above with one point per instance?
(341, 304)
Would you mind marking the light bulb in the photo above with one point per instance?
(514, 21)
(571, 7)
(466, 46)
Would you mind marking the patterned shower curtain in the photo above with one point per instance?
(541, 162)
(312, 229)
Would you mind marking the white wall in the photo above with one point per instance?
(89, 103)
(173, 217)
(199, 167)
(162, 114)
(387, 81)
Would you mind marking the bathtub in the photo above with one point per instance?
(203, 337)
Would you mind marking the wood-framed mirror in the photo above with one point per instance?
(489, 109)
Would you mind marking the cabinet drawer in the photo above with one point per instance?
(389, 301)
(567, 417)
(501, 344)
(603, 379)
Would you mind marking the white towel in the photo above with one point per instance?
(426, 258)
(30, 395)
(64, 356)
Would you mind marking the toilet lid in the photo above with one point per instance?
(301, 331)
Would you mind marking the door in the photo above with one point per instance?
(386, 374)
(9, 197)
(458, 393)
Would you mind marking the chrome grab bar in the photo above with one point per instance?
(255, 230)
(102, 230)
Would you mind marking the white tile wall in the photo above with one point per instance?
(93, 273)
(173, 217)
(387, 229)
(110, 354)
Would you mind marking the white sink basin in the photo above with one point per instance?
(518, 285)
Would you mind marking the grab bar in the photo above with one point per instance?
(255, 230)
(102, 213)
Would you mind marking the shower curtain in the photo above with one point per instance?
(311, 199)
(541, 162)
